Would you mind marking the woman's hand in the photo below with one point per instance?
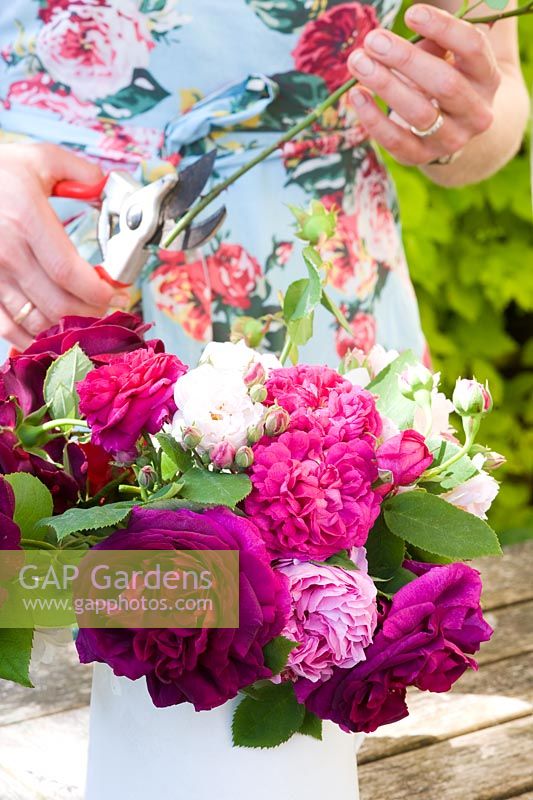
(38, 263)
(409, 77)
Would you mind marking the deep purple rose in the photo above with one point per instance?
(424, 636)
(205, 667)
(405, 456)
(132, 394)
(9, 530)
(100, 338)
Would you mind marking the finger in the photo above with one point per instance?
(14, 334)
(53, 163)
(400, 143)
(433, 75)
(54, 251)
(469, 44)
(402, 97)
(14, 300)
(50, 298)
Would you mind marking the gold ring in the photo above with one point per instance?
(24, 313)
(436, 126)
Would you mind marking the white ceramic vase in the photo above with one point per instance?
(138, 752)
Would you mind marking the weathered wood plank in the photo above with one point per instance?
(46, 756)
(507, 579)
(513, 633)
(501, 692)
(62, 685)
(486, 765)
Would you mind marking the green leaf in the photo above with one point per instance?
(180, 458)
(391, 402)
(268, 719)
(400, 579)
(87, 519)
(60, 383)
(215, 488)
(429, 522)
(333, 308)
(457, 473)
(385, 551)
(301, 330)
(312, 726)
(277, 652)
(15, 655)
(303, 296)
(33, 501)
(341, 559)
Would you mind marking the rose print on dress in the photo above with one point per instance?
(326, 43)
(233, 275)
(182, 291)
(94, 47)
(363, 326)
(377, 226)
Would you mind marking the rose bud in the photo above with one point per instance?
(255, 433)
(244, 457)
(277, 420)
(471, 399)
(191, 437)
(147, 477)
(258, 394)
(416, 378)
(256, 375)
(223, 455)
(405, 457)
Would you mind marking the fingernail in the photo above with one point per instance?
(361, 63)
(358, 98)
(379, 43)
(121, 300)
(419, 14)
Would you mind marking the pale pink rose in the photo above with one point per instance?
(379, 359)
(441, 408)
(377, 227)
(475, 495)
(333, 616)
(93, 47)
(37, 92)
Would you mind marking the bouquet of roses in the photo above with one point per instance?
(351, 501)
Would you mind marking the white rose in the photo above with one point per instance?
(238, 357)
(93, 48)
(215, 402)
(441, 408)
(475, 495)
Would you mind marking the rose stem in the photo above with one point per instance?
(314, 116)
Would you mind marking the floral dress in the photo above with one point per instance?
(147, 85)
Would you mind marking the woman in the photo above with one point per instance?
(132, 83)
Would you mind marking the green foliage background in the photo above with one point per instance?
(470, 252)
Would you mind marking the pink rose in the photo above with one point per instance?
(131, 395)
(333, 616)
(93, 47)
(475, 495)
(405, 456)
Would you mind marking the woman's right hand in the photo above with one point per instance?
(38, 262)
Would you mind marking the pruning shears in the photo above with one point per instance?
(133, 216)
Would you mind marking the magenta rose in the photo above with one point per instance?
(9, 530)
(349, 410)
(333, 616)
(424, 639)
(205, 667)
(131, 395)
(327, 42)
(312, 497)
(405, 456)
(100, 338)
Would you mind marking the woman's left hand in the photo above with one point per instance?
(417, 83)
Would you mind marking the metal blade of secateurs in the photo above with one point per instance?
(198, 235)
(191, 183)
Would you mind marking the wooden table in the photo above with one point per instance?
(475, 743)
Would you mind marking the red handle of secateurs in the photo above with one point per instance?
(75, 190)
